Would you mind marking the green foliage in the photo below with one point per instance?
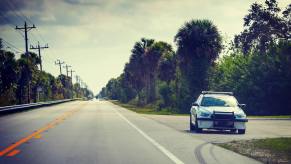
(262, 82)
(258, 70)
(199, 44)
(264, 26)
(8, 76)
(21, 80)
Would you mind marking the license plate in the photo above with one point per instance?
(223, 123)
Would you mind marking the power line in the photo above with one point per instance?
(11, 45)
(13, 9)
(10, 23)
(6, 20)
(22, 16)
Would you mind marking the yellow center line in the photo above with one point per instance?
(13, 153)
(36, 134)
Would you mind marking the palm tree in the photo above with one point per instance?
(198, 39)
(199, 44)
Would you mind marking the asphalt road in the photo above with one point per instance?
(100, 132)
(256, 128)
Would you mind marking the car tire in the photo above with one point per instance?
(192, 127)
(197, 129)
(241, 131)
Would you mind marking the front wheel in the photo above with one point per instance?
(241, 131)
(192, 127)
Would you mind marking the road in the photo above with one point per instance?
(256, 128)
(100, 132)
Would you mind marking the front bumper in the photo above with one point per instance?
(211, 123)
(234, 120)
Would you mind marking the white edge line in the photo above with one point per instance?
(155, 143)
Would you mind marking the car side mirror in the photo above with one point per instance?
(195, 104)
(242, 105)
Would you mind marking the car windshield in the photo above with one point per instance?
(219, 100)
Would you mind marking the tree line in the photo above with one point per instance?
(256, 65)
(21, 81)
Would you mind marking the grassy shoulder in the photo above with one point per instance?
(151, 110)
(281, 116)
(270, 150)
(146, 110)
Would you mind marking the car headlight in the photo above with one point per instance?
(240, 115)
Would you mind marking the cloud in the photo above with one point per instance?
(84, 2)
(96, 36)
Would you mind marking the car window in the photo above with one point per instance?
(199, 99)
(217, 100)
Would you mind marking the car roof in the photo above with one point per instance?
(214, 95)
(217, 93)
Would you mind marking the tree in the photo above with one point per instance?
(262, 82)
(28, 68)
(152, 59)
(167, 67)
(264, 26)
(139, 67)
(66, 86)
(8, 77)
(199, 44)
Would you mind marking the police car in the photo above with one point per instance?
(217, 110)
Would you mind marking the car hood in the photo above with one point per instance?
(221, 109)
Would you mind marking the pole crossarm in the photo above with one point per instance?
(25, 29)
(59, 63)
(38, 47)
(67, 69)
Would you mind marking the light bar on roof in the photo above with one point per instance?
(212, 92)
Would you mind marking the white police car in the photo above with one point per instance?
(217, 110)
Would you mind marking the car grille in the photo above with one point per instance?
(223, 115)
(223, 119)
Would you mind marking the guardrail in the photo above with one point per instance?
(22, 107)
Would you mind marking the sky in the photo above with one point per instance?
(95, 37)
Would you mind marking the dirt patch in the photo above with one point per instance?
(275, 150)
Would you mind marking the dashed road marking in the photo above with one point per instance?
(37, 134)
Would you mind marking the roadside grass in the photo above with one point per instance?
(146, 109)
(270, 150)
(280, 116)
(152, 110)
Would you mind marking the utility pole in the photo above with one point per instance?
(71, 71)
(1, 43)
(58, 62)
(81, 83)
(67, 69)
(38, 47)
(25, 29)
(77, 81)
